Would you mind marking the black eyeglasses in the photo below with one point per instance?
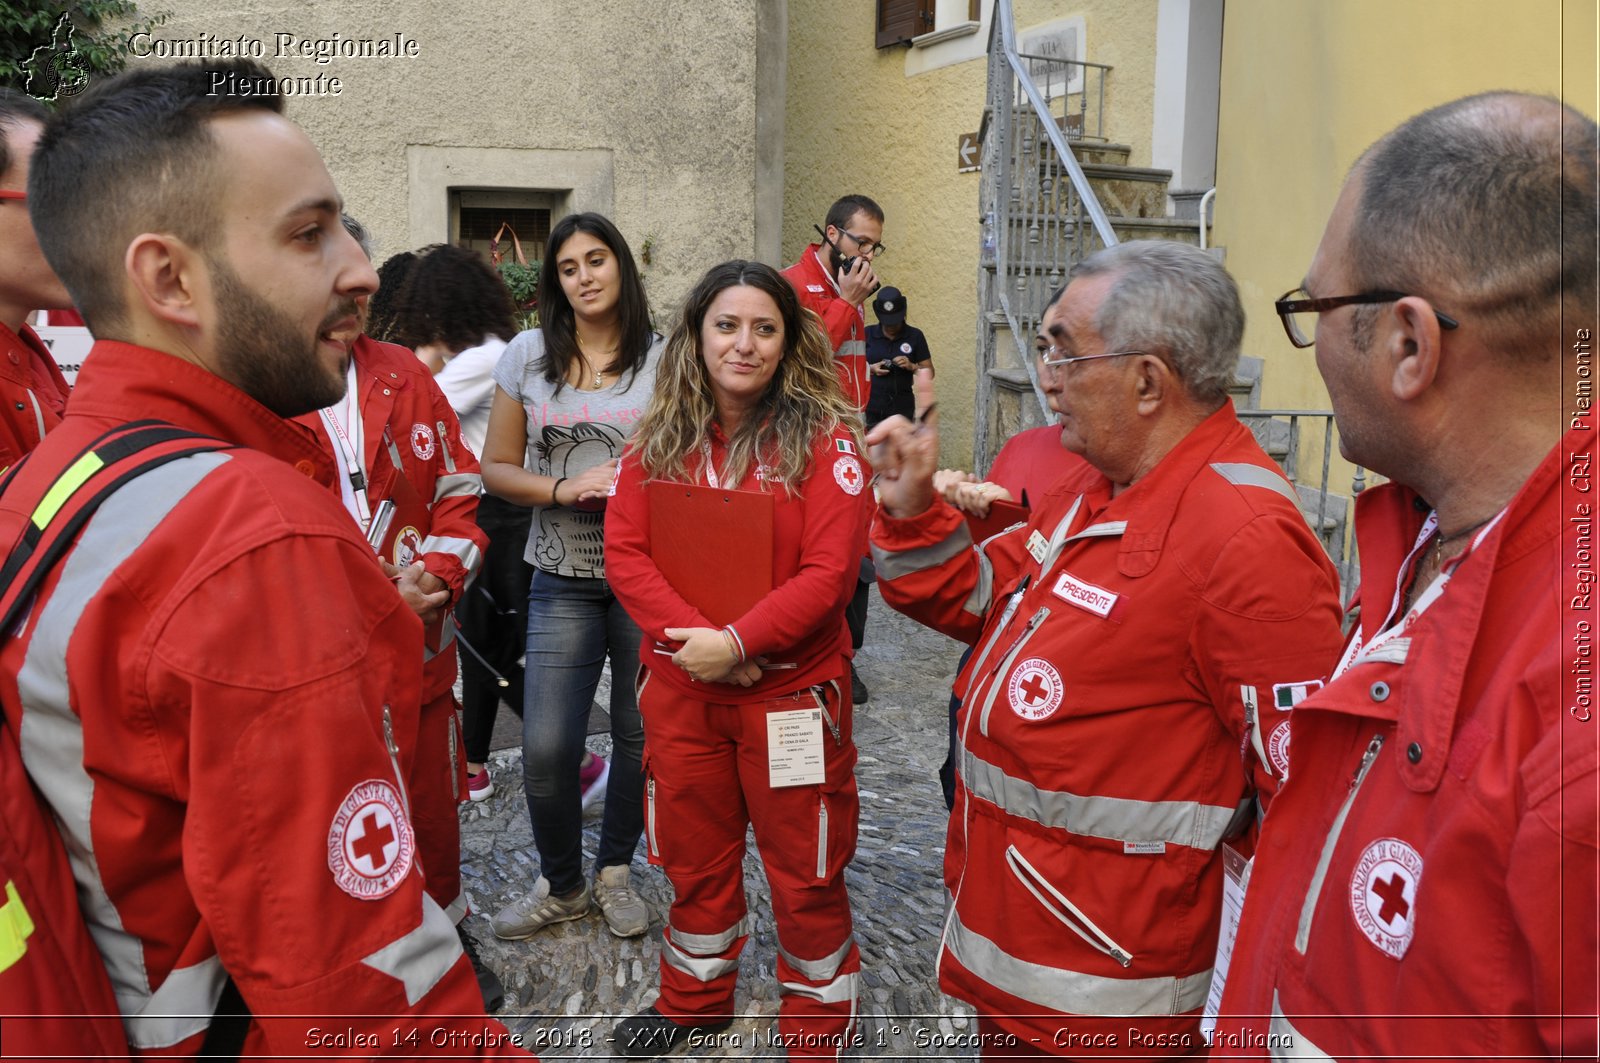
(1299, 315)
(866, 248)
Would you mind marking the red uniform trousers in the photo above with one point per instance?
(438, 783)
(706, 777)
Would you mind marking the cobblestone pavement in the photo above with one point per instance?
(566, 987)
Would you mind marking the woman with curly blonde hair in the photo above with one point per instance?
(747, 400)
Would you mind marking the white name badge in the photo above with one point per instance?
(1235, 880)
(1038, 546)
(1096, 600)
(794, 748)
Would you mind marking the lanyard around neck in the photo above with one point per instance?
(351, 442)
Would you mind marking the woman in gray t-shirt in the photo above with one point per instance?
(567, 398)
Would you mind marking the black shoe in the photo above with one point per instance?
(858, 689)
(494, 994)
(650, 1034)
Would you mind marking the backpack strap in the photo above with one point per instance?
(99, 471)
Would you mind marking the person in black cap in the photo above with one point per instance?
(895, 350)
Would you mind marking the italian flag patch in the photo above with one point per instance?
(845, 446)
(1287, 695)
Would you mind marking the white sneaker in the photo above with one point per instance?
(626, 914)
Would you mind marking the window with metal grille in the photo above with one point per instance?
(901, 20)
(478, 225)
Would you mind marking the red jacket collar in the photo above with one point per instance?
(1149, 506)
(26, 360)
(124, 382)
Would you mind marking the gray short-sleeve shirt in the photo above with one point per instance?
(569, 433)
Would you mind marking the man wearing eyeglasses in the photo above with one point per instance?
(835, 277)
(33, 392)
(1426, 884)
(1131, 643)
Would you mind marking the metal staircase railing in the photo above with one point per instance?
(1041, 216)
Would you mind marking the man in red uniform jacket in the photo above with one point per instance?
(835, 293)
(1425, 883)
(209, 687)
(833, 279)
(394, 437)
(1131, 639)
(33, 393)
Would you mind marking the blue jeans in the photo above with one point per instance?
(574, 623)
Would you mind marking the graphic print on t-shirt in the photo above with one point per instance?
(569, 539)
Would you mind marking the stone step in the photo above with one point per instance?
(1127, 191)
(1090, 151)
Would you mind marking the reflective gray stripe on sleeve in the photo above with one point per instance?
(1072, 992)
(51, 737)
(709, 944)
(420, 958)
(823, 970)
(841, 989)
(977, 602)
(1187, 823)
(893, 565)
(175, 1010)
(851, 348)
(1244, 474)
(457, 484)
(464, 550)
(1286, 1042)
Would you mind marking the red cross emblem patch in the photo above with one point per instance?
(370, 843)
(422, 441)
(1383, 894)
(1035, 689)
(847, 471)
(1278, 749)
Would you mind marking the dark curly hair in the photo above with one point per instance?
(452, 296)
(392, 276)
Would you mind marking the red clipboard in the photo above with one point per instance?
(714, 546)
(1002, 515)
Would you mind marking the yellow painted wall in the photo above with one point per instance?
(855, 122)
(1307, 86)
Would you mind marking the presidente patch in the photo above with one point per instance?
(370, 843)
(422, 442)
(1383, 894)
(1278, 749)
(1035, 689)
(847, 471)
(1075, 591)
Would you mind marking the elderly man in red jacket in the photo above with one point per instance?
(1131, 641)
(1426, 880)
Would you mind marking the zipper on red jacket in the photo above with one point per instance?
(394, 758)
(1303, 932)
(650, 818)
(444, 446)
(1005, 663)
(1056, 903)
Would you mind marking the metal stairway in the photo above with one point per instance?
(1054, 190)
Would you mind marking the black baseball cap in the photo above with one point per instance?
(890, 306)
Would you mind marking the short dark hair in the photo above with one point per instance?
(1171, 298)
(846, 207)
(17, 109)
(556, 319)
(452, 296)
(133, 154)
(1483, 204)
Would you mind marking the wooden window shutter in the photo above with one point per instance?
(901, 20)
